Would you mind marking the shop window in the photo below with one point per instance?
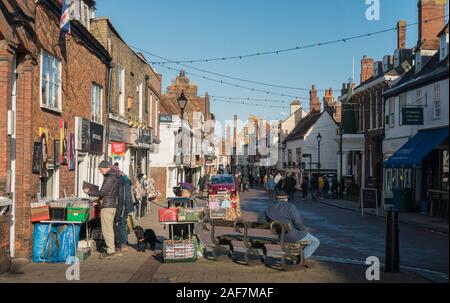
(299, 155)
(445, 170)
(50, 82)
(290, 155)
(419, 97)
(96, 103)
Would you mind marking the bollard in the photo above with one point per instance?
(392, 256)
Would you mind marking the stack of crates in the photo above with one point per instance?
(58, 211)
(182, 251)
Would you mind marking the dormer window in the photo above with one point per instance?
(443, 46)
(81, 11)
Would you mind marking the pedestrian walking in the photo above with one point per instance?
(305, 187)
(265, 180)
(202, 185)
(271, 187)
(321, 186)
(326, 188)
(108, 194)
(334, 188)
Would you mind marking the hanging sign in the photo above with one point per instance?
(56, 148)
(96, 142)
(412, 116)
(44, 157)
(118, 149)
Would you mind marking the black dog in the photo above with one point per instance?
(145, 238)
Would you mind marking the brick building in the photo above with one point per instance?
(46, 79)
(135, 101)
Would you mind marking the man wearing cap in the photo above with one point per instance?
(284, 212)
(109, 194)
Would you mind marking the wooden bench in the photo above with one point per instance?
(251, 242)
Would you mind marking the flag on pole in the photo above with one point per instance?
(65, 18)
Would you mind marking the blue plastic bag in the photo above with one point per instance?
(55, 245)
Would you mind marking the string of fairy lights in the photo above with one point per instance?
(295, 48)
(256, 101)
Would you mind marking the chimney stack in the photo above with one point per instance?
(295, 106)
(328, 101)
(430, 23)
(314, 102)
(367, 70)
(401, 34)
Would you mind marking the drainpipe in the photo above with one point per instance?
(108, 108)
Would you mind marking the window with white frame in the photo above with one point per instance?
(437, 100)
(50, 82)
(96, 103)
(392, 112)
(370, 112)
(402, 104)
(419, 97)
(121, 86)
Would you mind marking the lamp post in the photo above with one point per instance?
(182, 101)
(319, 139)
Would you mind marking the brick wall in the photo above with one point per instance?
(159, 174)
(80, 68)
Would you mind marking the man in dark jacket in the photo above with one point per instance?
(286, 213)
(109, 194)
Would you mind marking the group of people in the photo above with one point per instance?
(280, 182)
(118, 198)
(324, 187)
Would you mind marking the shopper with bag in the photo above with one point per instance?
(109, 194)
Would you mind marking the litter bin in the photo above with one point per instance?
(402, 198)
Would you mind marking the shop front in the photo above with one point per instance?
(140, 149)
(119, 145)
(417, 175)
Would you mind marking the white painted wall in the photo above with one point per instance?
(328, 147)
(166, 153)
(398, 135)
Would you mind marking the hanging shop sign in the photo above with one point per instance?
(412, 116)
(118, 149)
(82, 134)
(165, 118)
(96, 138)
(64, 138)
(145, 138)
(119, 132)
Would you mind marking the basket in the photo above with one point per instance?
(77, 214)
(183, 251)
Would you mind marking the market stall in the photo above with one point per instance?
(57, 229)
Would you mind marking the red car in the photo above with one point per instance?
(223, 184)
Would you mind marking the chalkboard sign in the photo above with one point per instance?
(369, 199)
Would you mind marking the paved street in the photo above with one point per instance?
(343, 234)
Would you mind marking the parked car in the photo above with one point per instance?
(223, 184)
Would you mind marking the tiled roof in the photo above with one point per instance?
(433, 70)
(303, 127)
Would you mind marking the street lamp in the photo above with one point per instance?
(182, 101)
(319, 139)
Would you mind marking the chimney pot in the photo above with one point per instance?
(401, 34)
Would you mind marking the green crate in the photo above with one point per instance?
(77, 214)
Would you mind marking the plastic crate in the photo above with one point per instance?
(40, 212)
(168, 215)
(182, 251)
(77, 214)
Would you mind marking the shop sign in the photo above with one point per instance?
(412, 116)
(145, 136)
(82, 134)
(56, 147)
(71, 154)
(208, 159)
(165, 118)
(118, 149)
(96, 138)
(119, 133)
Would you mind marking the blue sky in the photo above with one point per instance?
(214, 28)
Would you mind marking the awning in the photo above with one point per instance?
(417, 148)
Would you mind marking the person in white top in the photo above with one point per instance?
(278, 177)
